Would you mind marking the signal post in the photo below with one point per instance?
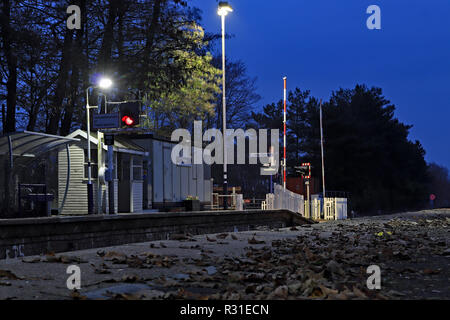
(305, 171)
(127, 117)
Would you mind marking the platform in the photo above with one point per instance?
(31, 236)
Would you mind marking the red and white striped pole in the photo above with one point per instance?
(284, 136)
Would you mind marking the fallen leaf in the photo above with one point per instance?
(254, 241)
(281, 292)
(9, 275)
(359, 293)
(113, 254)
(328, 291)
(31, 259)
(130, 278)
(70, 259)
(102, 271)
(178, 237)
(77, 296)
(317, 293)
(430, 271)
(51, 258)
(335, 267)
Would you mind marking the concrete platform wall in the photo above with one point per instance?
(32, 236)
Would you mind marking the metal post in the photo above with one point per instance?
(307, 198)
(90, 189)
(284, 134)
(272, 162)
(111, 182)
(321, 147)
(224, 119)
(99, 166)
(100, 161)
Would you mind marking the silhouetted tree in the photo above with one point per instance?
(367, 150)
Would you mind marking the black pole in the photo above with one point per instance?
(111, 196)
(90, 193)
(225, 192)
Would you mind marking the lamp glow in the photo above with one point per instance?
(105, 83)
(224, 9)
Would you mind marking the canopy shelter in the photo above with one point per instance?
(20, 145)
(121, 144)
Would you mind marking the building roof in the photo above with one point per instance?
(121, 144)
(31, 144)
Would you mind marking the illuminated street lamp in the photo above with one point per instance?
(104, 83)
(223, 10)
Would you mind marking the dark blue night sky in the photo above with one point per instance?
(323, 45)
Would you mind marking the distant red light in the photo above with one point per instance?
(128, 121)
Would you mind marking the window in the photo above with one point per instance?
(94, 166)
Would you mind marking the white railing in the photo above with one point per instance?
(284, 199)
(335, 208)
(340, 205)
(316, 209)
(237, 201)
(327, 209)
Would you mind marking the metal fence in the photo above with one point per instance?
(317, 208)
(237, 201)
(284, 199)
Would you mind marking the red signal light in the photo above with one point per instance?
(128, 120)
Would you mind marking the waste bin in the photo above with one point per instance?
(43, 203)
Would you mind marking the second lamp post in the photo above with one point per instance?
(104, 84)
(224, 9)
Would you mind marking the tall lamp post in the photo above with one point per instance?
(104, 84)
(224, 9)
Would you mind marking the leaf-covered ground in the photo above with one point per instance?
(321, 261)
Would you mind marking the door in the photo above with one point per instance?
(124, 182)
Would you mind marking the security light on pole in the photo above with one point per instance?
(104, 83)
(223, 10)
